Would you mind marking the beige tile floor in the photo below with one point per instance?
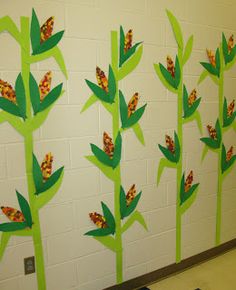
(216, 274)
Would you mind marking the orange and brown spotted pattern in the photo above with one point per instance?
(98, 219)
(188, 181)
(230, 109)
(128, 40)
(7, 91)
(133, 104)
(45, 85)
(192, 97)
(46, 166)
(170, 144)
(211, 57)
(170, 66)
(102, 79)
(13, 214)
(212, 132)
(46, 29)
(229, 154)
(130, 195)
(230, 43)
(108, 146)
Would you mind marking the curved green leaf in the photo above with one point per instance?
(20, 95)
(191, 110)
(9, 107)
(123, 109)
(25, 208)
(34, 94)
(218, 131)
(109, 218)
(133, 204)
(99, 92)
(107, 241)
(99, 232)
(177, 72)
(135, 217)
(101, 155)
(135, 117)
(210, 142)
(34, 31)
(177, 147)
(190, 200)
(49, 43)
(218, 62)
(51, 97)
(37, 174)
(139, 133)
(166, 152)
(202, 77)
(163, 80)
(210, 68)
(91, 100)
(176, 29)
(227, 121)
(123, 205)
(111, 85)
(167, 76)
(117, 151)
(188, 50)
(195, 116)
(5, 237)
(225, 165)
(12, 227)
(164, 163)
(122, 45)
(186, 195)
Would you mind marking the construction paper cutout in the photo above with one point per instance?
(51, 97)
(91, 100)
(13, 226)
(25, 208)
(13, 214)
(117, 151)
(126, 210)
(214, 70)
(172, 80)
(10, 107)
(34, 94)
(7, 24)
(98, 220)
(135, 217)
(189, 110)
(189, 201)
(228, 55)
(226, 163)
(195, 116)
(107, 241)
(162, 78)
(46, 29)
(20, 95)
(171, 156)
(176, 29)
(101, 155)
(45, 85)
(37, 174)
(139, 133)
(131, 63)
(188, 50)
(228, 118)
(5, 237)
(162, 164)
(185, 195)
(49, 43)
(34, 31)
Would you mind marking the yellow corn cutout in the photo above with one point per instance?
(192, 97)
(188, 181)
(98, 220)
(128, 40)
(46, 166)
(7, 91)
(229, 153)
(170, 66)
(170, 144)
(108, 145)
(13, 214)
(45, 85)
(211, 57)
(102, 79)
(212, 132)
(130, 195)
(46, 29)
(133, 104)
(230, 109)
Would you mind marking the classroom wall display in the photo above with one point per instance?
(25, 107)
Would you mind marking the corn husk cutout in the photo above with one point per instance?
(192, 97)
(230, 108)
(130, 195)
(170, 144)
(46, 166)
(128, 40)
(13, 214)
(212, 132)
(170, 66)
(108, 146)
(102, 79)
(98, 220)
(188, 181)
(230, 43)
(133, 104)
(229, 154)
(46, 29)
(7, 91)
(45, 85)
(211, 57)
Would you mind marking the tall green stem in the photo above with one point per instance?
(28, 141)
(220, 177)
(117, 182)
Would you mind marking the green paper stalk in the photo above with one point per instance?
(176, 86)
(124, 217)
(225, 63)
(26, 129)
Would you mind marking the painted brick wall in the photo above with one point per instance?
(74, 261)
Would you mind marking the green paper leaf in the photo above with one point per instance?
(191, 110)
(25, 208)
(49, 43)
(13, 226)
(37, 174)
(139, 133)
(106, 170)
(188, 50)
(91, 100)
(125, 56)
(162, 164)
(111, 85)
(101, 155)
(218, 131)
(133, 204)
(7, 24)
(51, 97)
(186, 195)
(177, 147)
(227, 121)
(99, 92)
(107, 241)
(202, 77)
(131, 63)
(218, 62)
(20, 95)
(167, 76)
(228, 57)
(190, 200)
(51, 181)
(99, 232)
(9, 107)
(166, 152)
(163, 80)
(135, 117)
(177, 72)
(122, 44)
(176, 29)
(109, 217)
(34, 94)
(135, 217)
(195, 116)
(123, 206)
(210, 142)
(5, 237)
(123, 109)
(210, 68)
(225, 165)
(34, 31)
(117, 151)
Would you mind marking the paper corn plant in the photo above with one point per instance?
(110, 226)
(172, 78)
(220, 61)
(25, 107)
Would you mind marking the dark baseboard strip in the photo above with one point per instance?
(154, 276)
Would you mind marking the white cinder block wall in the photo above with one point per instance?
(76, 262)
